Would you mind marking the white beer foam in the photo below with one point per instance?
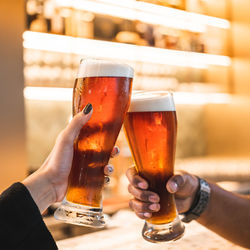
(151, 101)
(98, 68)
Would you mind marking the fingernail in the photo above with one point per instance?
(147, 215)
(87, 109)
(154, 207)
(173, 186)
(153, 198)
(142, 185)
(117, 150)
(106, 179)
(110, 168)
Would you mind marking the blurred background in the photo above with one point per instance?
(199, 49)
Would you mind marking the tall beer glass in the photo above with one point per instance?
(107, 86)
(151, 127)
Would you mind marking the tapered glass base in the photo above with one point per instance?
(80, 215)
(164, 232)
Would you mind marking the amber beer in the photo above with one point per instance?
(107, 86)
(110, 99)
(151, 129)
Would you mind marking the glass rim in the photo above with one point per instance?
(99, 67)
(147, 101)
(154, 92)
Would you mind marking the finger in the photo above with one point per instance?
(175, 183)
(143, 207)
(135, 179)
(115, 152)
(143, 195)
(108, 169)
(106, 180)
(144, 216)
(78, 121)
(183, 185)
(183, 205)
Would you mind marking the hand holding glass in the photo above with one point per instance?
(151, 128)
(107, 86)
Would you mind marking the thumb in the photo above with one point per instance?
(183, 184)
(78, 121)
(175, 183)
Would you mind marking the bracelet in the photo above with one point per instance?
(200, 202)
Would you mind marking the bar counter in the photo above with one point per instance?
(124, 233)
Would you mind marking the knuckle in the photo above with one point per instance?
(145, 207)
(140, 215)
(135, 181)
(130, 189)
(131, 204)
(128, 174)
(143, 196)
(64, 137)
(139, 206)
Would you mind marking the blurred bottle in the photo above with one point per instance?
(84, 24)
(79, 23)
(105, 28)
(146, 33)
(57, 22)
(216, 41)
(48, 12)
(52, 13)
(196, 42)
(132, 33)
(167, 38)
(31, 10)
(39, 24)
(198, 6)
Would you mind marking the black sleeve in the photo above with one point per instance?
(21, 224)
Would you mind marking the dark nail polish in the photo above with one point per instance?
(106, 180)
(110, 169)
(87, 108)
(117, 150)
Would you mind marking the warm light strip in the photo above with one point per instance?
(148, 13)
(119, 51)
(48, 94)
(184, 16)
(201, 98)
(65, 94)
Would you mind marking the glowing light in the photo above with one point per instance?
(120, 51)
(149, 13)
(65, 94)
(201, 98)
(48, 94)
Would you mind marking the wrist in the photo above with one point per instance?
(195, 194)
(41, 189)
(200, 202)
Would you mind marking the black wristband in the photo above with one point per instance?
(200, 202)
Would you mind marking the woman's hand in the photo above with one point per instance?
(49, 183)
(183, 185)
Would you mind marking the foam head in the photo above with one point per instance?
(95, 67)
(151, 101)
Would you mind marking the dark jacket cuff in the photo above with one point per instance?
(21, 224)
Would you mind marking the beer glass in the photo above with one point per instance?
(107, 86)
(150, 127)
